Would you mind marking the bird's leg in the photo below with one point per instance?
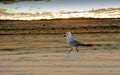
(77, 49)
(71, 49)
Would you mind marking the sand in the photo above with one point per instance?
(75, 25)
(47, 54)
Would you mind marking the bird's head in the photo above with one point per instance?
(68, 34)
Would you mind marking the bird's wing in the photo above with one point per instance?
(75, 42)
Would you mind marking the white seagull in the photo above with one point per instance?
(74, 43)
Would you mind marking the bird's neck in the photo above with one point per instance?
(69, 38)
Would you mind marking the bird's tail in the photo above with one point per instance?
(88, 45)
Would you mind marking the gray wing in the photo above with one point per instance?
(75, 43)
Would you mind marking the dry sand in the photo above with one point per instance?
(46, 54)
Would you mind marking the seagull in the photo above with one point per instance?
(74, 43)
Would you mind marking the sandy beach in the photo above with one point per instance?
(47, 54)
(35, 37)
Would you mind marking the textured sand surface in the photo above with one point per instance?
(48, 55)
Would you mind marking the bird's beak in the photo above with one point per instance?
(64, 35)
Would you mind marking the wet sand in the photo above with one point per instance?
(47, 54)
(75, 25)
